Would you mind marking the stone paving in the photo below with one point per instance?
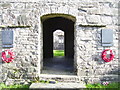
(57, 86)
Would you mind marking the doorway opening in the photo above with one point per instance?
(58, 43)
(53, 23)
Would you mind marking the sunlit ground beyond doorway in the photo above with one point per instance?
(58, 53)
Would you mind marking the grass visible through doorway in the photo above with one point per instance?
(57, 53)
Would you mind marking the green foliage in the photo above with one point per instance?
(111, 85)
(10, 87)
(58, 52)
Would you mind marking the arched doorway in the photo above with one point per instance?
(58, 43)
(51, 23)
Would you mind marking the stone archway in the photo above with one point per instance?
(50, 23)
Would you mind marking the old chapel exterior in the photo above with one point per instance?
(90, 27)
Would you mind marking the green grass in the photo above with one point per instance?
(10, 87)
(26, 87)
(111, 85)
(58, 53)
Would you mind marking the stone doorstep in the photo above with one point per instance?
(57, 86)
(53, 75)
(61, 78)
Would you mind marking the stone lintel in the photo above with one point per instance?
(91, 25)
(15, 26)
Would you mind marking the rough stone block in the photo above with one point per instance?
(19, 5)
(6, 5)
(93, 19)
(81, 20)
(22, 20)
(93, 11)
(106, 11)
(88, 4)
(107, 20)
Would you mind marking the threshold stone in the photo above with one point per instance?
(56, 86)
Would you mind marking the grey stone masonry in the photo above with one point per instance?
(24, 18)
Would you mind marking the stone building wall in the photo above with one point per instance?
(26, 62)
(23, 17)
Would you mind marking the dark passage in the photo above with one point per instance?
(64, 63)
(58, 65)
